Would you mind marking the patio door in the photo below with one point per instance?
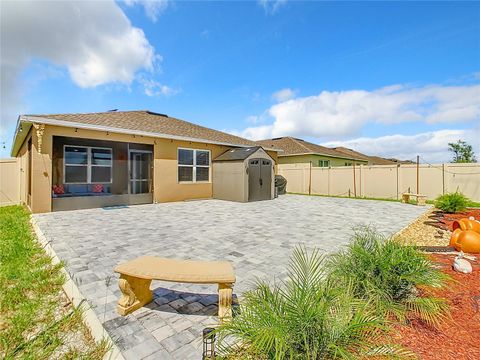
(140, 171)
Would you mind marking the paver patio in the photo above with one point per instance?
(257, 237)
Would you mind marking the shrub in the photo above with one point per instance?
(452, 202)
(307, 317)
(388, 274)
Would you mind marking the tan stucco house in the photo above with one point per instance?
(73, 161)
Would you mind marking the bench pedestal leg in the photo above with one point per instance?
(135, 293)
(225, 301)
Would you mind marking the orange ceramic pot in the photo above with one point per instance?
(466, 224)
(466, 241)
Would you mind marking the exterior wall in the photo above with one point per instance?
(166, 186)
(9, 182)
(24, 164)
(315, 158)
(383, 181)
(230, 181)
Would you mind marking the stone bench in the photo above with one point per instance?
(137, 275)
(419, 199)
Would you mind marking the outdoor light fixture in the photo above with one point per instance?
(21, 128)
(208, 343)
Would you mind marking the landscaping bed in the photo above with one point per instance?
(455, 339)
(434, 228)
(37, 320)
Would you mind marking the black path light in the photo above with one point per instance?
(208, 343)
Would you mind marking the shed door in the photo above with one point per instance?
(259, 179)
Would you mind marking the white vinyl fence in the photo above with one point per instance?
(383, 181)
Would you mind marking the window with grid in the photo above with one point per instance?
(193, 165)
(324, 163)
(87, 165)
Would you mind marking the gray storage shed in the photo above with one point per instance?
(244, 174)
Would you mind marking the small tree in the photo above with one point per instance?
(462, 152)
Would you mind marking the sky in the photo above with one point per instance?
(395, 79)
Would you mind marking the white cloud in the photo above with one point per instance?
(333, 114)
(153, 8)
(154, 88)
(93, 40)
(431, 146)
(253, 133)
(271, 6)
(283, 95)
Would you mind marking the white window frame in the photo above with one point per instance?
(194, 166)
(88, 165)
(324, 163)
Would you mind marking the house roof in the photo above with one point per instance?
(237, 154)
(372, 160)
(142, 122)
(351, 153)
(292, 147)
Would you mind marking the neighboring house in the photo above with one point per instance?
(72, 161)
(301, 151)
(372, 160)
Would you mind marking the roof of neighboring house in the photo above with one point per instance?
(351, 153)
(292, 146)
(237, 154)
(372, 160)
(141, 122)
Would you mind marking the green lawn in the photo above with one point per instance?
(36, 319)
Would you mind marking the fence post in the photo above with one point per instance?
(418, 174)
(354, 181)
(398, 181)
(310, 180)
(328, 181)
(443, 178)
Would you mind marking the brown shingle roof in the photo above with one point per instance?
(372, 160)
(293, 146)
(150, 122)
(351, 153)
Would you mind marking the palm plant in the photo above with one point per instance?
(389, 275)
(309, 316)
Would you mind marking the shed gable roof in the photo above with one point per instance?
(237, 154)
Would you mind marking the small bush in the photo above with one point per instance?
(307, 317)
(388, 274)
(452, 202)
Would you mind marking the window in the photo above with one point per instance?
(193, 165)
(348, 164)
(324, 163)
(87, 165)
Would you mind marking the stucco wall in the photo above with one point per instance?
(314, 159)
(165, 178)
(9, 182)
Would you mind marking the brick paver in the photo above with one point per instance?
(256, 237)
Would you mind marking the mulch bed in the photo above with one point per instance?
(444, 221)
(458, 338)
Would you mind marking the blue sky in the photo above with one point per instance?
(387, 78)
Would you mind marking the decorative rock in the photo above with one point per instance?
(462, 265)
